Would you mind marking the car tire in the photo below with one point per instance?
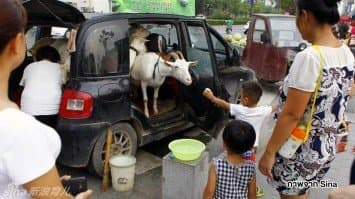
(123, 137)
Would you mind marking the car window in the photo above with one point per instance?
(258, 30)
(106, 49)
(38, 36)
(197, 37)
(58, 32)
(220, 52)
(285, 32)
(198, 50)
(31, 37)
(168, 31)
(217, 45)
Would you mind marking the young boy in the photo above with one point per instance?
(230, 175)
(247, 110)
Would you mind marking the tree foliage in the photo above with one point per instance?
(223, 9)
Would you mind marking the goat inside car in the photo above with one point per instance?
(159, 67)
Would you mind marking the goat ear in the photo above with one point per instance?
(193, 63)
(168, 63)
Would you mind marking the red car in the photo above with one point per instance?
(272, 43)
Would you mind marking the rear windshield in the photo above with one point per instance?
(284, 31)
(36, 35)
(168, 31)
(106, 49)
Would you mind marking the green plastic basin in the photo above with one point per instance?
(186, 149)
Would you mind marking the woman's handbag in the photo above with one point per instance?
(300, 133)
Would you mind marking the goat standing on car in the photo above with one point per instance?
(151, 69)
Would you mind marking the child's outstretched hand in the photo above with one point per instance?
(215, 100)
(208, 93)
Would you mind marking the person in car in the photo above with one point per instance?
(42, 82)
(332, 61)
(28, 148)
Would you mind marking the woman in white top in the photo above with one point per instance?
(333, 62)
(28, 148)
(42, 81)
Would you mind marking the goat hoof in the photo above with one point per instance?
(146, 114)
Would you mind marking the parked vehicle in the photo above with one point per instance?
(99, 94)
(272, 43)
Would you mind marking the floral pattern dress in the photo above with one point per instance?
(312, 159)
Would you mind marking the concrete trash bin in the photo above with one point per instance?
(122, 172)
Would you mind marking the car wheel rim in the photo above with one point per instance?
(121, 144)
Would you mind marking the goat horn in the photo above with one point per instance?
(180, 54)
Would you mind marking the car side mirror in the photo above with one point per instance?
(265, 37)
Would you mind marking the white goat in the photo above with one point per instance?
(151, 70)
(137, 37)
(135, 48)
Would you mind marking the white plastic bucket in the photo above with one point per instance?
(122, 172)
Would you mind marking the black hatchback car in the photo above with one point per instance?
(96, 98)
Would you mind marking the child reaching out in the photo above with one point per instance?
(230, 175)
(247, 110)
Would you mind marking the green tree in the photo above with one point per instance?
(239, 10)
(288, 5)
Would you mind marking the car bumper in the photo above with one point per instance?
(78, 141)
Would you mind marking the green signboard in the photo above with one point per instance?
(179, 7)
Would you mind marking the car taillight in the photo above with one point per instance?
(75, 105)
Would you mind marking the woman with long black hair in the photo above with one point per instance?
(28, 148)
(331, 61)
